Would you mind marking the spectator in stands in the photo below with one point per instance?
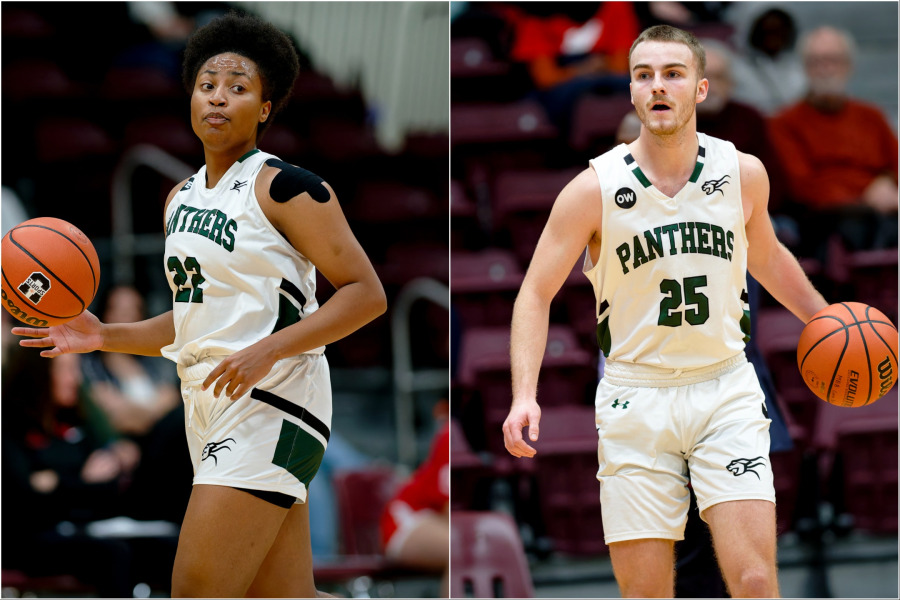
(768, 72)
(135, 392)
(571, 49)
(414, 526)
(140, 397)
(722, 117)
(839, 153)
(62, 468)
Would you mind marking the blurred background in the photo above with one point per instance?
(96, 131)
(538, 89)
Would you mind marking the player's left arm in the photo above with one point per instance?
(768, 260)
(313, 222)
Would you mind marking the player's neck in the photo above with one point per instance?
(666, 157)
(218, 162)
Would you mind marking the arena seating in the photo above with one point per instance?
(486, 557)
(566, 478)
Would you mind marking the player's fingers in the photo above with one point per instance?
(215, 374)
(534, 429)
(31, 331)
(221, 382)
(37, 342)
(233, 386)
(53, 353)
(524, 450)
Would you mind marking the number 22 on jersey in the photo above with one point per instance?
(186, 292)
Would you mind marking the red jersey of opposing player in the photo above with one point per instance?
(427, 491)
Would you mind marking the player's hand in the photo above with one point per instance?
(521, 414)
(239, 372)
(82, 334)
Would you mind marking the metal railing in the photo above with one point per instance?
(126, 245)
(408, 380)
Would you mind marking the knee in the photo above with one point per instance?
(757, 582)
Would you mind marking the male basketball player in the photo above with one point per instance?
(244, 237)
(671, 223)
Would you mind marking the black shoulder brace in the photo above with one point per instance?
(293, 181)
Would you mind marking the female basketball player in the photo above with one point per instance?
(672, 223)
(244, 237)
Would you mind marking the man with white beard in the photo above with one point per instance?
(840, 154)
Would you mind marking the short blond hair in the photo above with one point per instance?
(667, 33)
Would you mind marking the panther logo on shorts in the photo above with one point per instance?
(739, 466)
(211, 448)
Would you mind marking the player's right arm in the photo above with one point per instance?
(574, 223)
(85, 333)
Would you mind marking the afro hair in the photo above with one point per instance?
(266, 45)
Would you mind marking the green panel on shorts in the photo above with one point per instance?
(745, 325)
(298, 452)
(603, 338)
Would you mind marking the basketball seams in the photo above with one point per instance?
(823, 338)
(50, 271)
(872, 324)
(837, 365)
(68, 239)
(865, 348)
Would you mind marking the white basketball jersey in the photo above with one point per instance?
(670, 280)
(234, 278)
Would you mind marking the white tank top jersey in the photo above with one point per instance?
(234, 278)
(670, 280)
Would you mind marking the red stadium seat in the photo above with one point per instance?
(169, 133)
(361, 498)
(71, 139)
(487, 559)
(484, 286)
(777, 335)
(467, 468)
(597, 118)
(32, 79)
(522, 200)
(499, 123)
(140, 83)
(566, 472)
(472, 57)
(867, 449)
(281, 141)
(568, 377)
(868, 276)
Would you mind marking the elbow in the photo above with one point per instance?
(377, 300)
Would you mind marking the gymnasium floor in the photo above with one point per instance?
(858, 567)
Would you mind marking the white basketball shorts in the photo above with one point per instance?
(271, 439)
(660, 429)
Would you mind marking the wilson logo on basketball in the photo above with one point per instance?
(886, 375)
(21, 314)
(35, 287)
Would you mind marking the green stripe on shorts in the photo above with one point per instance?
(298, 452)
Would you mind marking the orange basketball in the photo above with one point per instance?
(848, 354)
(50, 271)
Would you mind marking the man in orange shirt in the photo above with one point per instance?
(840, 154)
